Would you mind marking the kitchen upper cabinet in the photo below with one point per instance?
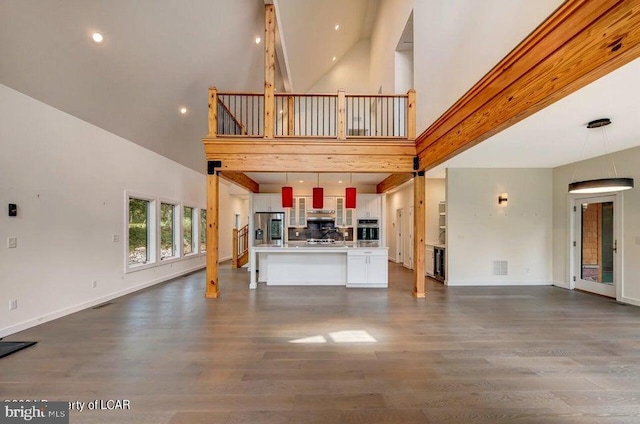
(329, 203)
(344, 217)
(367, 268)
(298, 213)
(267, 203)
(369, 206)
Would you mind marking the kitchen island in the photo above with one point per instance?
(339, 264)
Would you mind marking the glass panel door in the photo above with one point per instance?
(596, 245)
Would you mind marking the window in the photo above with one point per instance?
(188, 241)
(141, 230)
(203, 230)
(168, 245)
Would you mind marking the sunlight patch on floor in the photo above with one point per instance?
(346, 336)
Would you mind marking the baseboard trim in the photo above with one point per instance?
(12, 329)
(630, 301)
(498, 283)
(562, 285)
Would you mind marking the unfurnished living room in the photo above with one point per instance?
(293, 211)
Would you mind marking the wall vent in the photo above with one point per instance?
(500, 267)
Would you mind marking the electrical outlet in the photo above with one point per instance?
(94, 284)
(13, 304)
(115, 238)
(12, 242)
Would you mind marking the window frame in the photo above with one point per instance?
(152, 225)
(194, 231)
(177, 222)
(202, 231)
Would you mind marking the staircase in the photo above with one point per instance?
(240, 247)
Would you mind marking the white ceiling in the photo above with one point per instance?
(160, 55)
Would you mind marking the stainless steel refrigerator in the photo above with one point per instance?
(268, 228)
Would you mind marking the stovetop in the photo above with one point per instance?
(321, 241)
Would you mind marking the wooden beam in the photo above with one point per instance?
(313, 163)
(213, 112)
(582, 41)
(212, 289)
(411, 114)
(269, 69)
(419, 235)
(303, 147)
(393, 181)
(242, 180)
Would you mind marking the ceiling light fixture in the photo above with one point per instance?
(602, 185)
(300, 181)
(97, 38)
(333, 59)
(337, 27)
(287, 194)
(258, 40)
(318, 196)
(350, 195)
(184, 110)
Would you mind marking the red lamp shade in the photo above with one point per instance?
(287, 197)
(318, 197)
(350, 198)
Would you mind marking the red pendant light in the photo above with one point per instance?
(318, 196)
(350, 195)
(287, 195)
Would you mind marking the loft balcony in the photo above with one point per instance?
(311, 132)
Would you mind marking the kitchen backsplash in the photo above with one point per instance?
(309, 233)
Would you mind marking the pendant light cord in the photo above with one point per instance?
(605, 140)
(575, 167)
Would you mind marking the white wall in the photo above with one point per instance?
(350, 73)
(399, 199)
(436, 193)
(627, 165)
(403, 71)
(68, 179)
(479, 231)
(230, 205)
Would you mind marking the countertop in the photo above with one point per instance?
(302, 246)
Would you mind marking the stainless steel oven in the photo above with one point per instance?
(368, 230)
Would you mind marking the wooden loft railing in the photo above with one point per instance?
(240, 255)
(338, 116)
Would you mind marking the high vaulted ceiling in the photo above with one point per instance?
(161, 55)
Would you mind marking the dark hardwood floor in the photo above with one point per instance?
(336, 355)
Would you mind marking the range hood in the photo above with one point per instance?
(321, 215)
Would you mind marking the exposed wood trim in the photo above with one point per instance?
(419, 235)
(290, 115)
(269, 69)
(242, 180)
(243, 128)
(392, 181)
(212, 289)
(213, 112)
(582, 41)
(411, 114)
(234, 248)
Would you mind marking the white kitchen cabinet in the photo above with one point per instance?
(367, 267)
(429, 260)
(369, 206)
(298, 213)
(267, 203)
(329, 203)
(344, 216)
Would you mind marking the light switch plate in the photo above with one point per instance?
(12, 242)
(115, 238)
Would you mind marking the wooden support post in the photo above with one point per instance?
(269, 69)
(212, 287)
(290, 116)
(213, 112)
(411, 114)
(342, 119)
(419, 234)
(234, 251)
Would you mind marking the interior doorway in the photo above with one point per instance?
(408, 239)
(596, 229)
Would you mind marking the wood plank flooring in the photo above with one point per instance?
(335, 355)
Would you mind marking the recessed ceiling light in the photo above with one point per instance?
(184, 110)
(300, 181)
(337, 27)
(333, 59)
(340, 182)
(97, 38)
(258, 39)
(281, 111)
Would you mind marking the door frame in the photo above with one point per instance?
(399, 235)
(574, 235)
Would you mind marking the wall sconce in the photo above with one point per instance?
(502, 199)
